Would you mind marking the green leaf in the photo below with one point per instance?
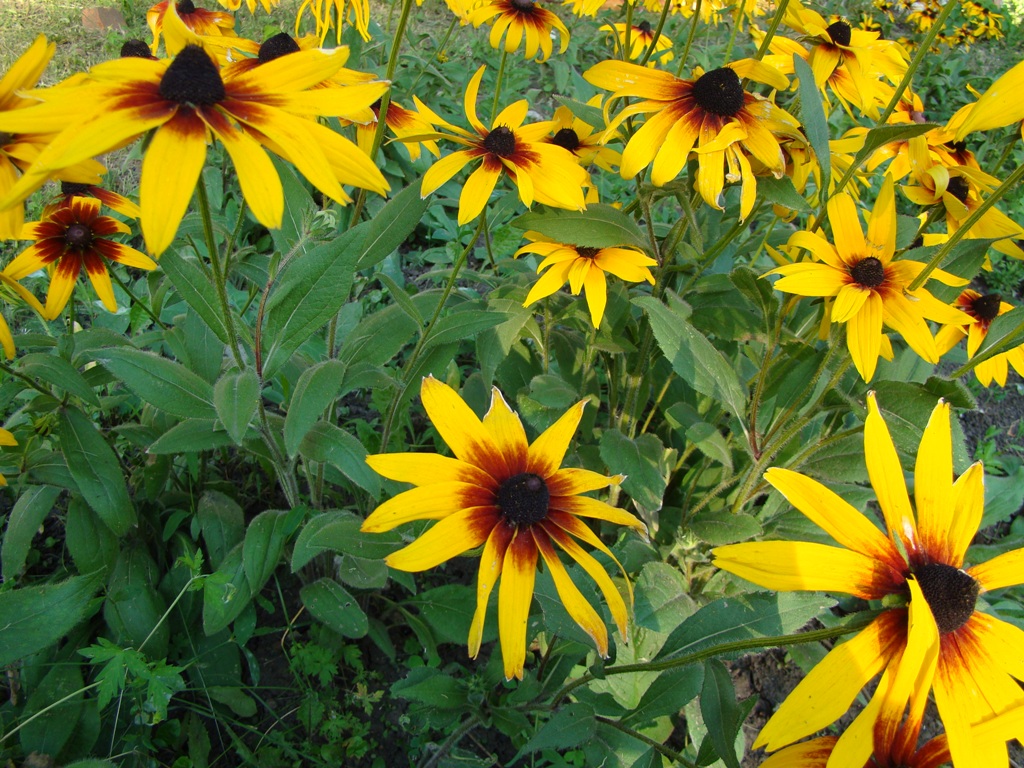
(600, 226)
(721, 526)
(463, 325)
(570, 726)
(133, 609)
(886, 134)
(92, 545)
(33, 618)
(673, 690)
(236, 397)
(91, 763)
(162, 383)
(222, 523)
(96, 471)
(708, 440)
(1004, 496)
(235, 699)
(692, 356)
(782, 192)
(308, 292)
(50, 731)
(662, 598)
(299, 208)
(640, 460)
(226, 593)
(314, 391)
(1005, 333)
(743, 617)
(401, 298)
(327, 443)
(590, 115)
(28, 514)
(264, 542)
(720, 710)
(759, 292)
(379, 336)
(432, 687)
(390, 228)
(813, 120)
(448, 610)
(195, 288)
(59, 372)
(332, 604)
(191, 436)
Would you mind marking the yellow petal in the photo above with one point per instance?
(460, 531)
(968, 508)
(548, 450)
(442, 171)
(427, 469)
(846, 230)
(576, 605)
(458, 426)
(261, 186)
(611, 595)
(887, 478)
(583, 506)
(507, 435)
(1005, 570)
(429, 502)
(477, 191)
(864, 336)
(514, 597)
(490, 570)
(882, 224)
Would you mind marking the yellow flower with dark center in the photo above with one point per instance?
(578, 137)
(998, 107)
(921, 555)
(641, 36)
(185, 100)
(199, 20)
(584, 269)
(519, 20)
(19, 147)
(710, 115)
(68, 239)
(982, 309)
(405, 123)
(542, 172)
(333, 13)
(112, 200)
(512, 497)
(870, 287)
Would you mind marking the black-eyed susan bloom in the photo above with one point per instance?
(641, 37)
(514, 498)
(188, 98)
(982, 309)
(518, 21)
(199, 20)
(18, 149)
(584, 269)
(870, 286)
(69, 239)
(710, 115)
(579, 137)
(921, 554)
(542, 172)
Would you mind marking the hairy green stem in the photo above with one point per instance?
(657, 746)
(776, 20)
(219, 275)
(136, 300)
(497, 86)
(694, 23)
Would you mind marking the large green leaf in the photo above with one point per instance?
(692, 356)
(59, 372)
(264, 542)
(314, 391)
(191, 436)
(193, 285)
(332, 604)
(96, 471)
(327, 443)
(812, 118)
(162, 383)
(600, 226)
(463, 325)
(32, 507)
(1005, 333)
(236, 397)
(35, 617)
(721, 711)
(390, 228)
(53, 726)
(307, 293)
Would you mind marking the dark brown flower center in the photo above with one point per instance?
(566, 138)
(277, 46)
(135, 49)
(192, 78)
(719, 92)
(958, 188)
(586, 252)
(957, 146)
(523, 499)
(74, 188)
(523, 5)
(644, 27)
(985, 308)
(868, 272)
(501, 141)
(950, 592)
(186, 6)
(839, 32)
(78, 237)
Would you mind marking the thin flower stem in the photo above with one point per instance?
(448, 744)
(965, 227)
(437, 53)
(689, 37)
(737, 646)
(736, 23)
(181, 593)
(139, 302)
(627, 38)
(219, 277)
(27, 379)
(776, 20)
(5, 736)
(281, 466)
(497, 85)
(410, 364)
(657, 746)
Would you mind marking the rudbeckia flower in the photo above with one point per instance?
(982, 309)
(328, 13)
(511, 497)
(112, 200)
(540, 171)
(583, 268)
(187, 99)
(869, 286)
(199, 20)
(19, 148)
(641, 36)
(578, 137)
(405, 123)
(517, 20)
(710, 115)
(69, 238)
(923, 554)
